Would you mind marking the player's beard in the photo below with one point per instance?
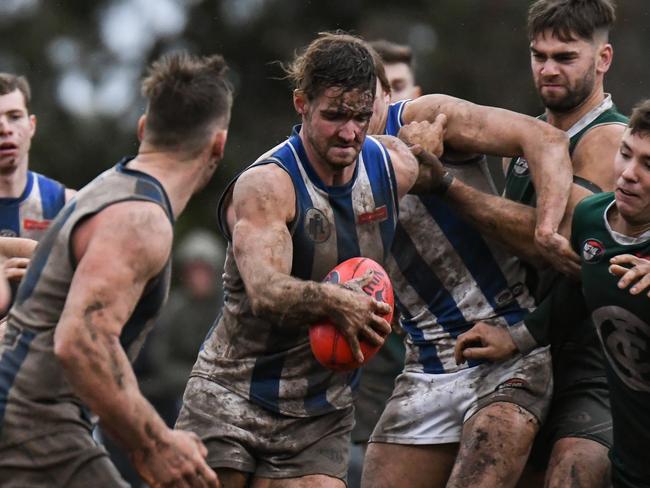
(574, 96)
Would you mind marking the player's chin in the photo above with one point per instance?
(339, 160)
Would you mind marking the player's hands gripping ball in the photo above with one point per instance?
(328, 344)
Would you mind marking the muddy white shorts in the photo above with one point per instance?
(431, 408)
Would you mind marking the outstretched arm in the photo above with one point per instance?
(475, 128)
(263, 202)
(116, 259)
(510, 223)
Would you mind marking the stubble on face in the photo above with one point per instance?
(575, 95)
(332, 108)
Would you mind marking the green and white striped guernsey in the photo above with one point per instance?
(622, 321)
(519, 187)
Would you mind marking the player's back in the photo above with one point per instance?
(34, 395)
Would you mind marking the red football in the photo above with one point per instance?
(328, 345)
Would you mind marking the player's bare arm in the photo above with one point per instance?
(592, 161)
(118, 251)
(473, 128)
(404, 163)
(263, 203)
(492, 215)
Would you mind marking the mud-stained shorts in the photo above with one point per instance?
(71, 459)
(431, 408)
(242, 435)
(580, 406)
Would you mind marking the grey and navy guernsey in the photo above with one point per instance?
(30, 214)
(446, 275)
(271, 364)
(35, 397)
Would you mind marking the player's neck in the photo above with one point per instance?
(623, 226)
(178, 177)
(12, 183)
(566, 120)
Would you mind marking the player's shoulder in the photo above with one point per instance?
(399, 152)
(134, 231)
(592, 203)
(134, 221)
(262, 179)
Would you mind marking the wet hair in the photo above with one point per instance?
(333, 59)
(10, 83)
(640, 119)
(568, 19)
(187, 96)
(392, 52)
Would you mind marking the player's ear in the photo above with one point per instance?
(300, 101)
(219, 143)
(32, 124)
(604, 59)
(417, 91)
(141, 123)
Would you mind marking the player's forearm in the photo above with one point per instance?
(552, 175)
(509, 223)
(101, 375)
(291, 301)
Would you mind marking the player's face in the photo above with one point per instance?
(335, 125)
(564, 72)
(16, 130)
(379, 111)
(402, 82)
(632, 170)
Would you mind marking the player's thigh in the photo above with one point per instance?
(231, 478)
(494, 446)
(415, 466)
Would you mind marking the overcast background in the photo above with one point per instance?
(84, 60)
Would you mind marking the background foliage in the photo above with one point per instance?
(84, 60)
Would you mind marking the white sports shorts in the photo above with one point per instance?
(431, 408)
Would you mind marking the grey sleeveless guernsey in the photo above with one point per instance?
(35, 397)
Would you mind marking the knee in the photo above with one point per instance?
(578, 462)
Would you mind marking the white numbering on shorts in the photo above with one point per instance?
(626, 340)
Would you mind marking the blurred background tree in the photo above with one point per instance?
(84, 61)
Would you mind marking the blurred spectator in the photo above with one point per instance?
(192, 308)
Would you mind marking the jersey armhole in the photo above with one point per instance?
(586, 184)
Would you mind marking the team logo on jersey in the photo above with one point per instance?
(592, 251)
(317, 226)
(8, 233)
(626, 342)
(521, 167)
(505, 297)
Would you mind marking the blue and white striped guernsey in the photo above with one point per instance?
(30, 214)
(445, 274)
(264, 361)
